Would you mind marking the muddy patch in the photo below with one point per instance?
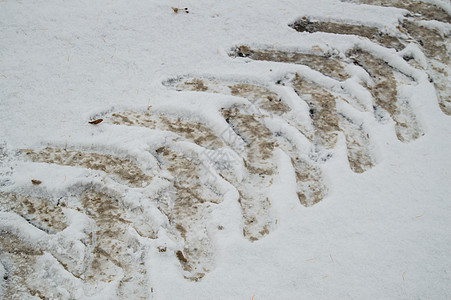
(428, 11)
(18, 258)
(325, 64)
(371, 33)
(254, 203)
(39, 212)
(122, 169)
(257, 137)
(434, 47)
(116, 251)
(193, 131)
(309, 181)
(384, 92)
(257, 158)
(357, 144)
(430, 40)
(433, 43)
(261, 97)
(310, 187)
(327, 122)
(187, 204)
(443, 88)
(191, 197)
(322, 109)
(110, 252)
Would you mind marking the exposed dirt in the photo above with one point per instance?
(371, 33)
(247, 126)
(187, 210)
(259, 140)
(427, 10)
(322, 111)
(256, 136)
(384, 91)
(328, 122)
(123, 169)
(260, 96)
(309, 179)
(443, 88)
(112, 252)
(41, 213)
(310, 187)
(434, 47)
(18, 258)
(189, 201)
(431, 41)
(196, 85)
(255, 205)
(358, 145)
(115, 251)
(325, 64)
(256, 214)
(259, 146)
(195, 132)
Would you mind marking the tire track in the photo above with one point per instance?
(432, 42)
(253, 201)
(110, 252)
(188, 208)
(248, 123)
(383, 89)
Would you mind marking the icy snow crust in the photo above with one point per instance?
(259, 150)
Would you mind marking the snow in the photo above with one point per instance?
(382, 234)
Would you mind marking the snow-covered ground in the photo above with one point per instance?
(245, 152)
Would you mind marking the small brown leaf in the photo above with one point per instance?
(175, 9)
(95, 122)
(26, 150)
(36, 182)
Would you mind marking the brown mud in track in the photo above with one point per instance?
(328, 122)
(111, 252)
(115, 250)
(428, 11)
(39, 212)
(193, 131)
(186, 211)
(371, 33)
(432, 42)
(187, 206)
(384, 91)
(18, 258)
(260, 96)
(258, 140)
(122, 169)
(326, 64)
(255, 208)
(255, 205)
